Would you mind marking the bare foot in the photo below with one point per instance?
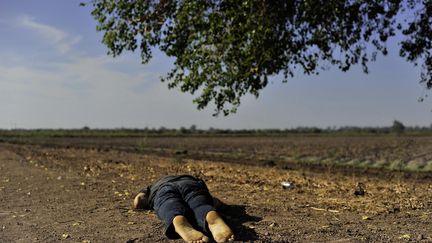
(187, 232)
(219, 229)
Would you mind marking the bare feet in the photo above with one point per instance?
(220, 231)
(187, 232)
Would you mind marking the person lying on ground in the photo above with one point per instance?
(182, 202)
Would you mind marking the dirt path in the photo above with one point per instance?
(43, 203)
(83, 195)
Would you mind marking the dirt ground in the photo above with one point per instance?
(83, 195)
(392, 152)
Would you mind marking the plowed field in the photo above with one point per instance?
(80, 190)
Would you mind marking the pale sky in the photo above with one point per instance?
(54, 73)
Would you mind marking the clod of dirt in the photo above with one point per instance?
(360, 189)
(273, 225)
(393, 210)
(420, 237)
(180, 152)
(366, 218)
(405, 236)
(270, 163)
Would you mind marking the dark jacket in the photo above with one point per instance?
(152, 189)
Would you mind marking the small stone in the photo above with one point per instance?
(394, 210)
(287, 185)
(420, 237)
(366, 218)
(272, 225)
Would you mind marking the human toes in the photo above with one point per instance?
(204, 239)
(231, 238)
(223, 237)
(220, 230)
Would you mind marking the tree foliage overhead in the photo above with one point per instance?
(225, 49)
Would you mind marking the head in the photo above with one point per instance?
(141, 200)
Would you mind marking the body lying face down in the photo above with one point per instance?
(184, 204)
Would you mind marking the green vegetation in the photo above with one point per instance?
(394, 166)
(380, 148)
(227, 49)
(396, 128)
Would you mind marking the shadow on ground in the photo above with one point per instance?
(236, 216)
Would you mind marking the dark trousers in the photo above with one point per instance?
(187, 197)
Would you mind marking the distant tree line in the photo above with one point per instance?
(396, 128)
